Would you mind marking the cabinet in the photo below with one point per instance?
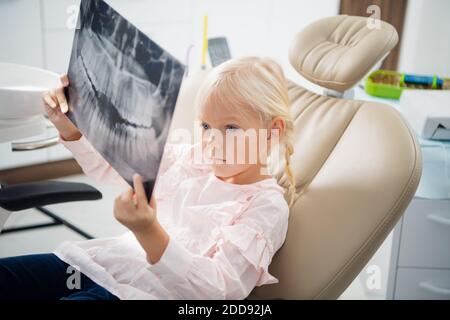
(420, 259)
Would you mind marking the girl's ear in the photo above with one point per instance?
(278, 124)
(270, 129)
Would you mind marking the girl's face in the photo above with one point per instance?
(234, 142)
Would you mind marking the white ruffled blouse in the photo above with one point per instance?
(223, 236)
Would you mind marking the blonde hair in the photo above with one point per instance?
(258, 83)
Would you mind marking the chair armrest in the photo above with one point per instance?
(35, 194)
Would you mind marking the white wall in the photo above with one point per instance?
(20, 32)
(34, 32)
(426, 40)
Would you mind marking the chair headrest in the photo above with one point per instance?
(336, 52)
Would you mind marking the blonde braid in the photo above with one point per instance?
(288, 152)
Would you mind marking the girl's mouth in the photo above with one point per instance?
(215, 160)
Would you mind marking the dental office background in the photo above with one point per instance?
(39, 33)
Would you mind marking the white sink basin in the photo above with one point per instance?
(21, 89)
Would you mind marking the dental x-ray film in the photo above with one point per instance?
(122, 93)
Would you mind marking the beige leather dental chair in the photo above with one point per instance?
(357, 163)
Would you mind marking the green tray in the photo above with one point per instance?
(392, 90)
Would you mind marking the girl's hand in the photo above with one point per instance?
(133, 210)
(55, 104)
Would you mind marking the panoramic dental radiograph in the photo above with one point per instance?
(122, 93)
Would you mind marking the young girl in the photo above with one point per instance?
(211, 229)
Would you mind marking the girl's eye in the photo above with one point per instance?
(205, 126)
(231, 127)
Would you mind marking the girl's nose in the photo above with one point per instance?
(213, 141)
(214, 138)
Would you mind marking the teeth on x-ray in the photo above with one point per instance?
(123, 90)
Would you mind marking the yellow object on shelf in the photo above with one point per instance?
(205, 40)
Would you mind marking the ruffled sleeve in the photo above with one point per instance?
(92, 163)
(96, 167)
(237, 262)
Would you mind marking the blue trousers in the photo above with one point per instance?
(45, 276)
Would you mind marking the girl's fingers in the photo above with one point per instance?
(61, 99)
(125, 200)
(131, 203)
(49, 110)
(141, 197)
(64, 79)
(127, 196)
(153, 201)
(48, 100)
(118, 202)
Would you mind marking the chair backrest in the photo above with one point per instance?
(357, 164)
